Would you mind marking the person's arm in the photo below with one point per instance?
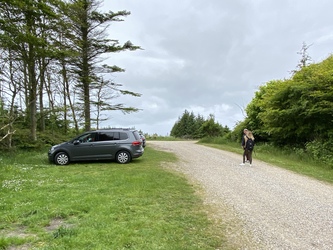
(243, 141)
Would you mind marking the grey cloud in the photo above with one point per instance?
(211, 56)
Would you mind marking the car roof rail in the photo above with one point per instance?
(115, 128)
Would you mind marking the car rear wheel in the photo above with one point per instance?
(61, 158)
(123, 157)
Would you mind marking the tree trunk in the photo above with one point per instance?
(32, 100)
(41, 87)
(85, 68)
(32, 84)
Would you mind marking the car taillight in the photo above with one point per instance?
(136, 143)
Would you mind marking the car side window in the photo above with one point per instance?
(123, 136)
(106, 136)
(116, 136)
(90, 137)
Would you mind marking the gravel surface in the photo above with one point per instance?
(263, 206)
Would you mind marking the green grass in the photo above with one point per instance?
(288, 159)
(101, 205)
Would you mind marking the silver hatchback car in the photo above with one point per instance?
(121, 145)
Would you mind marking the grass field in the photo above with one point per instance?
(101, 205)
(105, 205)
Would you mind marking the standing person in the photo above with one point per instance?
(243, 146)
(249, 144)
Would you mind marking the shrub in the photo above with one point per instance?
(321, 150)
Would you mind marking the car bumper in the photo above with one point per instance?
(50, 158)
(138, 153)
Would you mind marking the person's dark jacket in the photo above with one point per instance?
(243, 141)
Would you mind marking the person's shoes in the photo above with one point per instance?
(250, 165)
(242, 164)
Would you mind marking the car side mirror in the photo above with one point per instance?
(76, 142)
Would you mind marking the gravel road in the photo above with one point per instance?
(262, 207)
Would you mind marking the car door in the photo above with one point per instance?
(84, 147)
(106, 144)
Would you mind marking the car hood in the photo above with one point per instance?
(63, 143)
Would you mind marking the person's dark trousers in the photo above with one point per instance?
(249, 155)
(245, 155)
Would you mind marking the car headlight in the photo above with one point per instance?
(53, 148)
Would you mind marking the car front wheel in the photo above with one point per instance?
(61, 158)
(123, 157)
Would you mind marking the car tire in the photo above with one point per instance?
(61, 158)
(123, 157)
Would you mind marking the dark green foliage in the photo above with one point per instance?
(185, 127)
(52, 76)
(296, 112)
(25, 40)
(190, 127)
(86, 28)
(321, 150)
(54, 133)
(210, 128)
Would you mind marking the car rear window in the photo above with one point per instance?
(136, 135)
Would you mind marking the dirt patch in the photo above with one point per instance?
(55, 224)
(19, 231)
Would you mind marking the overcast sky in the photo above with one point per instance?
(210, 56)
